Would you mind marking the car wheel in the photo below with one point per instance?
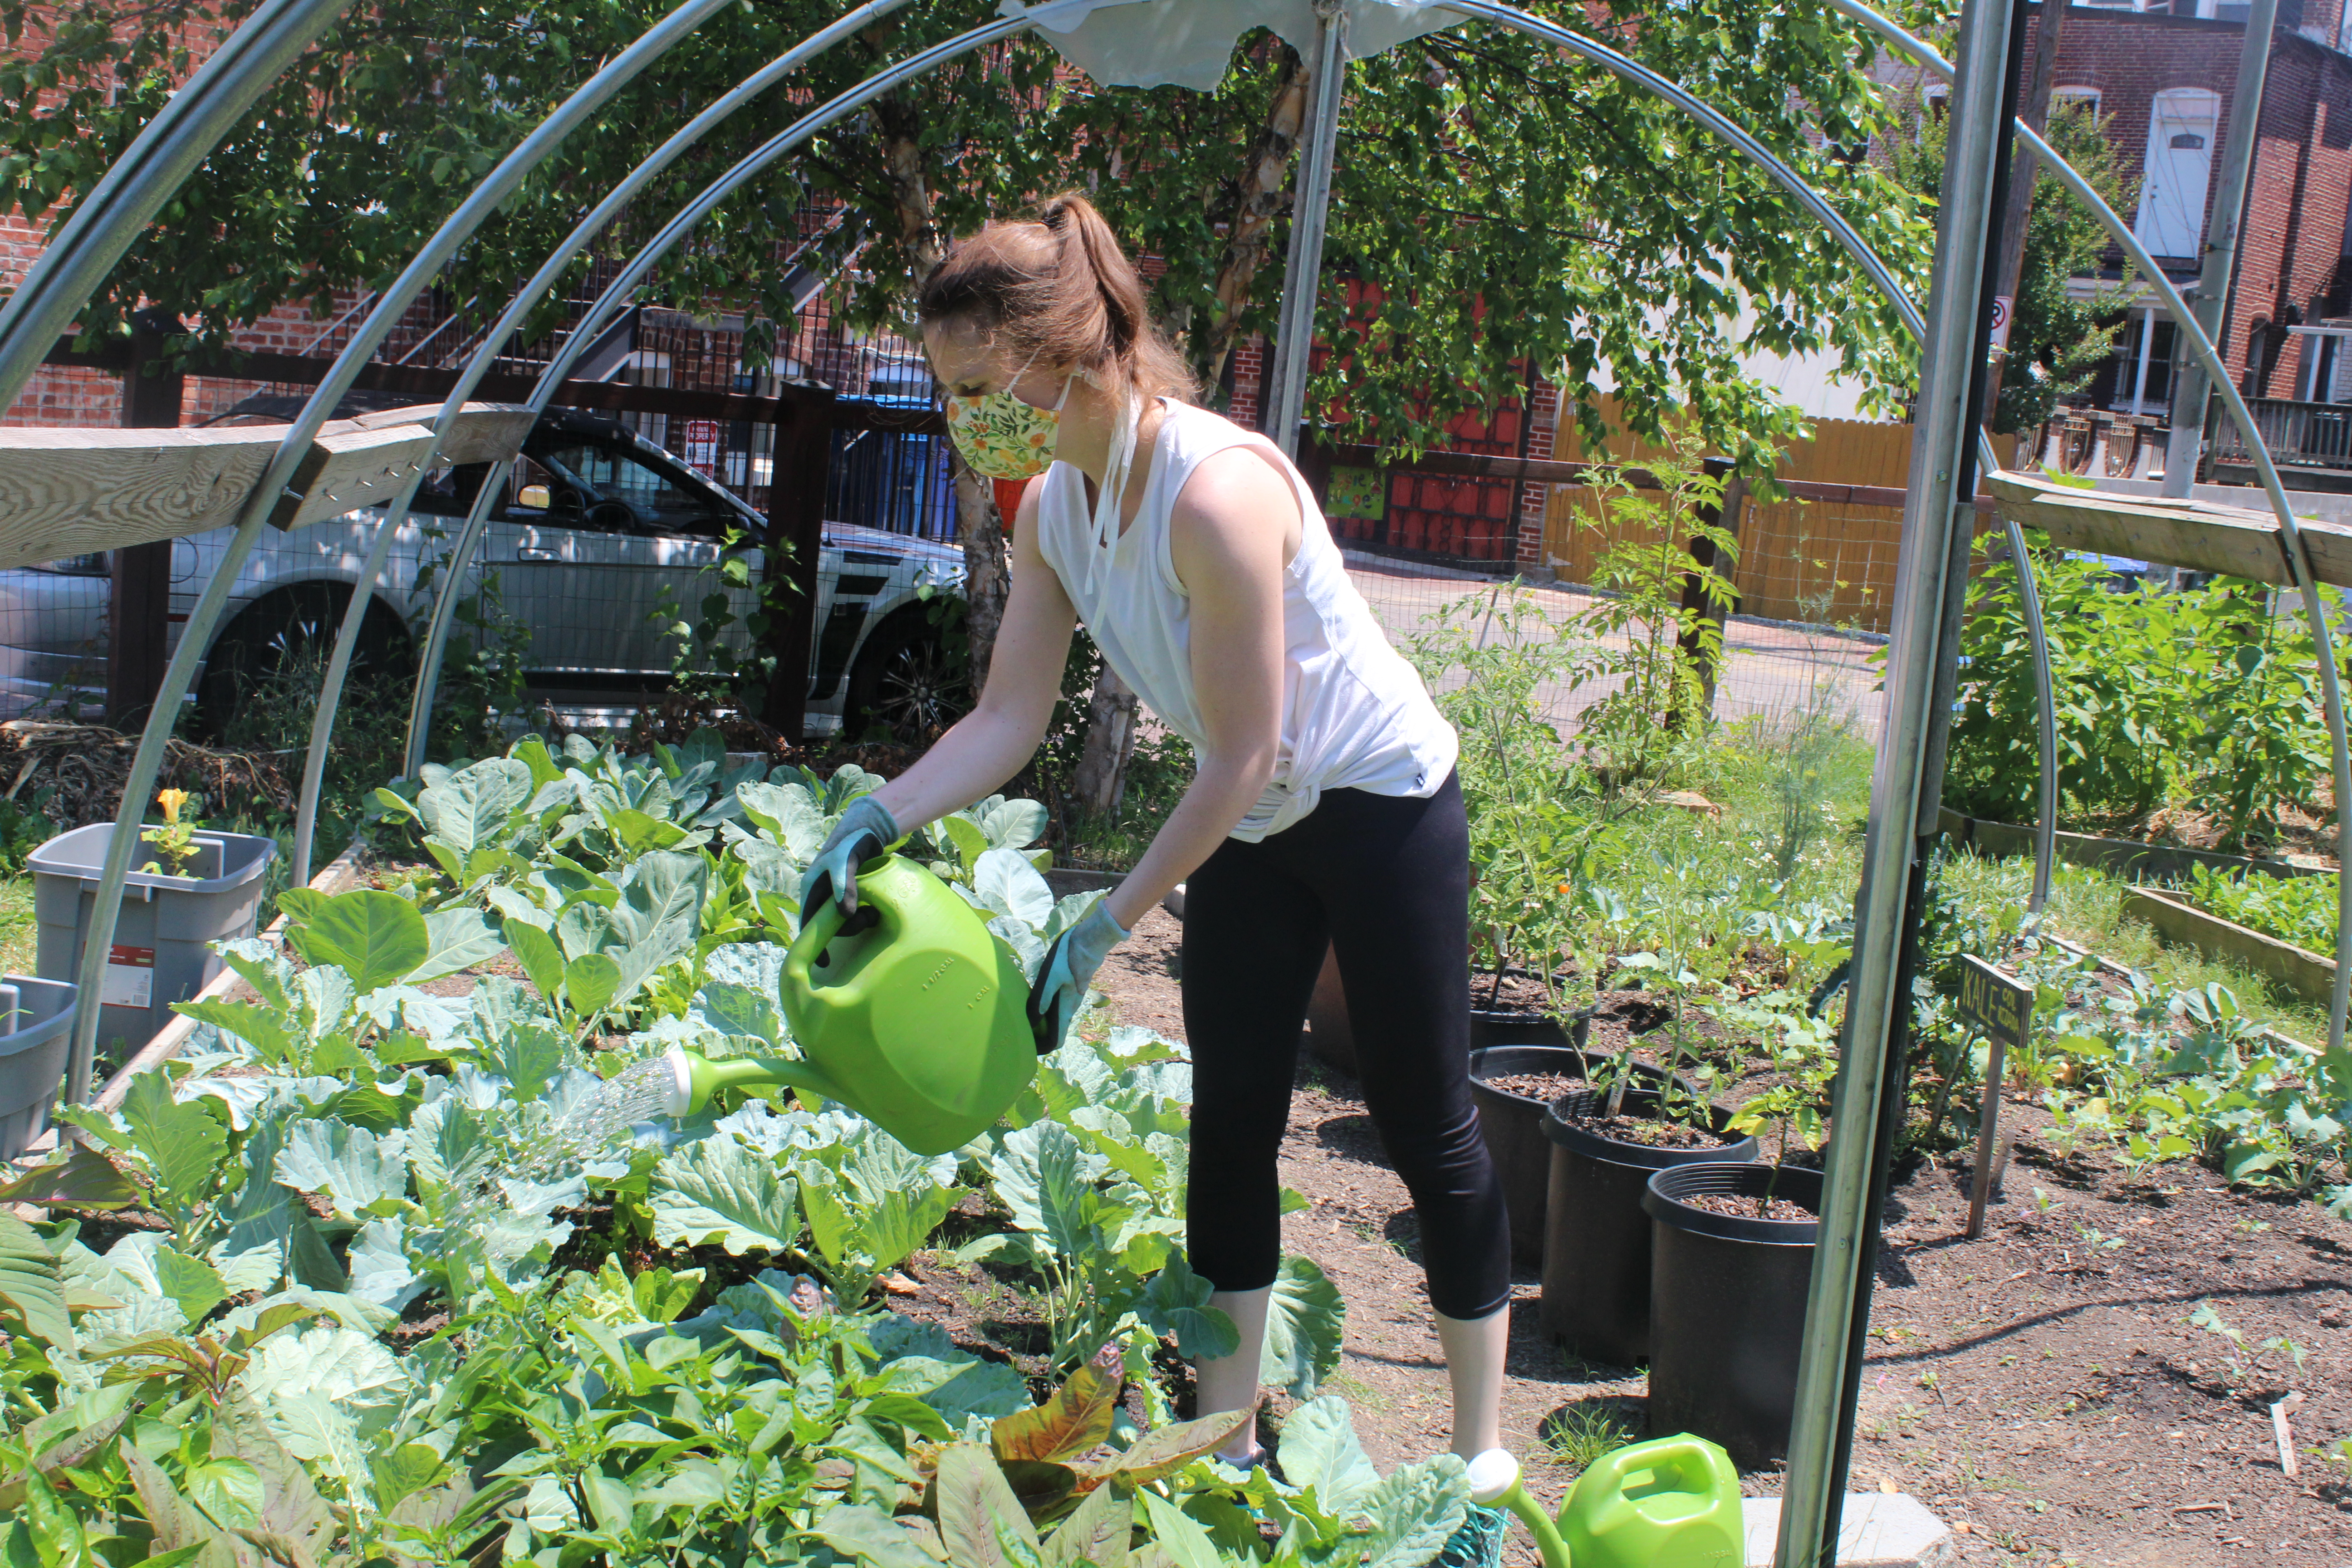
(907, 682)
(291, 633)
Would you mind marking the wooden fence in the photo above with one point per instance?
(1824, 560)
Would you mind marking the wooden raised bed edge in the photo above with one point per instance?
(2123, 857)
(2176, 923)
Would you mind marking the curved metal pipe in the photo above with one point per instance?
(616, 295)
(486, 196)
(2291, 541)
(2045, 819)
(156, 163)
(550, 271)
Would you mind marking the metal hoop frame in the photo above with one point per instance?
(219, 94)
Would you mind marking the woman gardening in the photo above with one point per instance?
(1325, 811)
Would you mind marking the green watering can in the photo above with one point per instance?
(909, 1013)
(1671, 1502)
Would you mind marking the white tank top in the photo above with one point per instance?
(1354, 714)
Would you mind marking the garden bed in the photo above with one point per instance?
(2174, 919)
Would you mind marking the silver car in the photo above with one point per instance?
(596, 528)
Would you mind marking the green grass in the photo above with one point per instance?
(18, 937)
(1574, 1437)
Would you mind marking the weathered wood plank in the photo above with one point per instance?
(2196, 534)
(481, 433)
(72, 491)
(346, 469)
(65, 492)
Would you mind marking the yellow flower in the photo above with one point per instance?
(170, 800)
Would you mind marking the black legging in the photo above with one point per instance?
(1385, 880)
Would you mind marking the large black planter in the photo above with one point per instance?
(1512, 1124)
(1727, 1309)
(1596, 1254)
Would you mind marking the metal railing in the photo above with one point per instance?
(2299, 434)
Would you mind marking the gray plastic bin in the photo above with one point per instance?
(161, 939)
(35, 1028)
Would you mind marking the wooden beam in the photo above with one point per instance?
(2204, 537)
(69, 492)
(482, 432)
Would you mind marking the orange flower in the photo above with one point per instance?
(171, 800)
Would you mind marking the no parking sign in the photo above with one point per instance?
(2003, 309)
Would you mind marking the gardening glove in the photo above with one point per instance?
(1061, 986)
(865, 831)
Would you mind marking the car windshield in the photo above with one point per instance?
(661, 504)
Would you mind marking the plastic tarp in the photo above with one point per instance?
(1188, 43)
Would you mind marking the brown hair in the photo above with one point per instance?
(1059, 289)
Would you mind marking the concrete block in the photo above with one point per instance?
(1878, 1530)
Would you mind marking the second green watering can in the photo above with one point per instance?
(914, 1016)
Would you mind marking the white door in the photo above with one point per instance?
(2179, 165)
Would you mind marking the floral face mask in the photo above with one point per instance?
(1003, 437)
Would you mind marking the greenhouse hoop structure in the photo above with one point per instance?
(1950, 452)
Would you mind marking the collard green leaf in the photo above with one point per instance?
(540, 959)
(1011, 823)
(182, 1141)
(1176, 1302)
(1319, 1449)
(718, 1190)
(1305, 1324)
(262, 1028)
(193, 1284)
(1008, 885)
(349, 1164)
(472, 807)
(1047, 1181)
(1414, 1511)
(456, 939)
(733, 1009)
(376, 937)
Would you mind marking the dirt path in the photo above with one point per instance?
(2041, 1388)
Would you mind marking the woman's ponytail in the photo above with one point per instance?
(1058, 288)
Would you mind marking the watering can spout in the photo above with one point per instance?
(1495, 1483)
(694, 1079)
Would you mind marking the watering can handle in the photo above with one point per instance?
(818, 930)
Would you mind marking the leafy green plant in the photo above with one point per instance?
(2299, 910)
(2244, 1356)
(706, 667)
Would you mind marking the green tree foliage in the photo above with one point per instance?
(1502, 206)
(2058, 341)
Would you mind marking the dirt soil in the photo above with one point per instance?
(2040, 1388)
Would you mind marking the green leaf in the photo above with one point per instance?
(84, 1179)
(863, 1533)
(31, 1285)
(540, 959)
(191, 1282)
(1186, 1543)
(457, 939)
(718, 1190)
(966, 838)
(589, 983)
(662, 1296)
(1319, 1449)
(261, 1028)
(1305, 1322)
(374, 937)
(1414, 1511)
(350, 1164)
(472, 807)
(1008, 885)
(183, 1143)
(1176, 1302)
(229, 1490)
(1097, 1535)
(403, 1472)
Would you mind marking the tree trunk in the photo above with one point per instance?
(2023, 167)
(1111, 742)
(986, 574)
(1265, 189)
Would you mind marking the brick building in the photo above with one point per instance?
(2163, 80)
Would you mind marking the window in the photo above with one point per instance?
(661, 503)
(2073, 99)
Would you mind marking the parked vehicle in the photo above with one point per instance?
(593, 526)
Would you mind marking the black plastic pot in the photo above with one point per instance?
(1727, 1309)
(1596, 1254)
(1512, 1124)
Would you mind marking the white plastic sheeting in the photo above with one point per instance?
(1188, 43)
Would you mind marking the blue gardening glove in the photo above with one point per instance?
(865, 831)
(1061, 986)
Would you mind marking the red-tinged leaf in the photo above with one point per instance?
(1074, 1422)
(85, 1179)
(1044, 1488)
(1167, 1449)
